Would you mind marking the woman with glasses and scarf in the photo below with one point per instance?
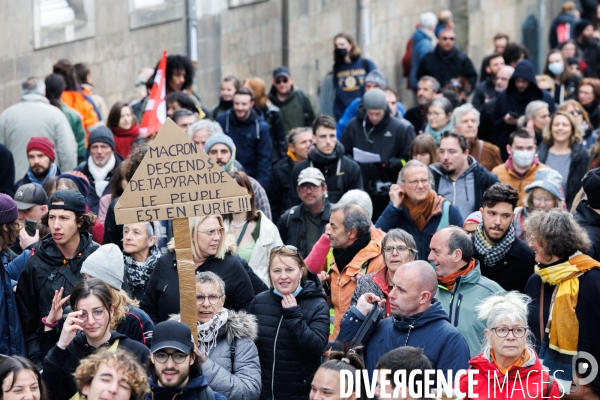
(140, 255)
(226, 339)
(293, 326)
(85, 329)
(508, 351)
(209, 249)
(564, 291)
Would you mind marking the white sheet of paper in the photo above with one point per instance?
(365, 157)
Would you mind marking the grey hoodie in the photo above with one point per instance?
(460, 192)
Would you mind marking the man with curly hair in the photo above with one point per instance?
(56, 263)
(111, 375)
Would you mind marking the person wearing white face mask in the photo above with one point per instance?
(566, 81)
(522, 164)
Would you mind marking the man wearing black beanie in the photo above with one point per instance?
(587, 213)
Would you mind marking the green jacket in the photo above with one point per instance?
(291, 110)
(468, 292)
(75, 121)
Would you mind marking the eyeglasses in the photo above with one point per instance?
(518, 332)
(213, 232)
(212, 299)
(545, 200)
(279, 81)
(576, 112)
(178, 357)
(447, 38)
(306, 187)
(415, 183)
(399, 248)
(287, 247)
(97, 314)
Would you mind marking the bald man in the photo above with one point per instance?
(461, 285)
(418, 320)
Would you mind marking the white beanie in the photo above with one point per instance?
(106, 263)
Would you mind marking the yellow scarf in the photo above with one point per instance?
(292, 155)
(563, 325)
(520, 361)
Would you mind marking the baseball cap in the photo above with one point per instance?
(281, 71)
(311, 175)
(29, 195)
(172, 334)
(72, 199)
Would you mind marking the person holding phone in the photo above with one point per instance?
(32, 204)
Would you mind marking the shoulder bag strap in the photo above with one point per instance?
(66, 272)
(549, 387)
(239, 239)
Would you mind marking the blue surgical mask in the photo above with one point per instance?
(556, 68)
(298, 290)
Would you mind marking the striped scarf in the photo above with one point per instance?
(492, 253)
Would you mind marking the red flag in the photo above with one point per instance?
(155, 113)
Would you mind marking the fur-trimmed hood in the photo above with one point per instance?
(239, 325)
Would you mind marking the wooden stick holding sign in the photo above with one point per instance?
(176, 181)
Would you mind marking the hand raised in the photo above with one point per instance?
(56, 312)
(70, 328)
(396, 195)
(366, 301)
(288, 301)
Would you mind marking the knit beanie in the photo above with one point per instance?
(106, 263)
(580, 26)
(8, 209)
(376, 77)
(79, 178)
(43, 145)
(219, 138)
(591, 187)
(374, 99)
(101, 134)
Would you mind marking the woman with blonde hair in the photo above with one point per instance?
(271, 115)
(209, 251)
(562, 150)
(583, 119)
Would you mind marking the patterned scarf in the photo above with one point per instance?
(560, 343)
(138, 272)
(209, 331)
(492, 253)
(51, 173)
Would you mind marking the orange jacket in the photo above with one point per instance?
(77, 101)
(509, 176)
(341, 284)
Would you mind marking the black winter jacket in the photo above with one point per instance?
(580, 160)
(590, 221)
(291, 340)
(280, 185)
(93, 198)
(279, 146)
(292, 227)
(349, 177)
(514, 270)
(45, 272)
(389, 138)
(162, 294)
(444, 66)
(60, 365)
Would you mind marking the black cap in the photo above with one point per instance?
(29, 195)
(172, 334)
(591, 187)
(281, 71)
(72, 199)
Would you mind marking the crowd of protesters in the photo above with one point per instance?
(471, 221)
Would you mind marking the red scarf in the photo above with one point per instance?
(124, 138)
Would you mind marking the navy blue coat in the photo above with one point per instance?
(394, 217)
(431, 330)
(12, 343)
(252, 140)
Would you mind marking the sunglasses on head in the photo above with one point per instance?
(281, 80)
(287, 247)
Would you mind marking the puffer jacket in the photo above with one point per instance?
(506, 174)
(523, 382)
(47, 271)
(291, 340)
(235, 345)
(468, 291)
(12, 343)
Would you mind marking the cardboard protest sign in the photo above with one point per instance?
(175, 181)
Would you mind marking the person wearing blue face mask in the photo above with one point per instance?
(293, 326)
(566, 81)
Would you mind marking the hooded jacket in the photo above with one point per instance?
(511, 100)
(191, 391)
(162, 294)
(430, 330)
(467, 191)
(252, 139)
(444, 66)
(293, 113)
(468, 291)
(590, 221)
(47, 271)
(60, 365)
(525, 382)
(338, 183)
(291, 340)
(232, 366)
(389, 138)
(506, 174)
(569, 20)
(358, 108)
